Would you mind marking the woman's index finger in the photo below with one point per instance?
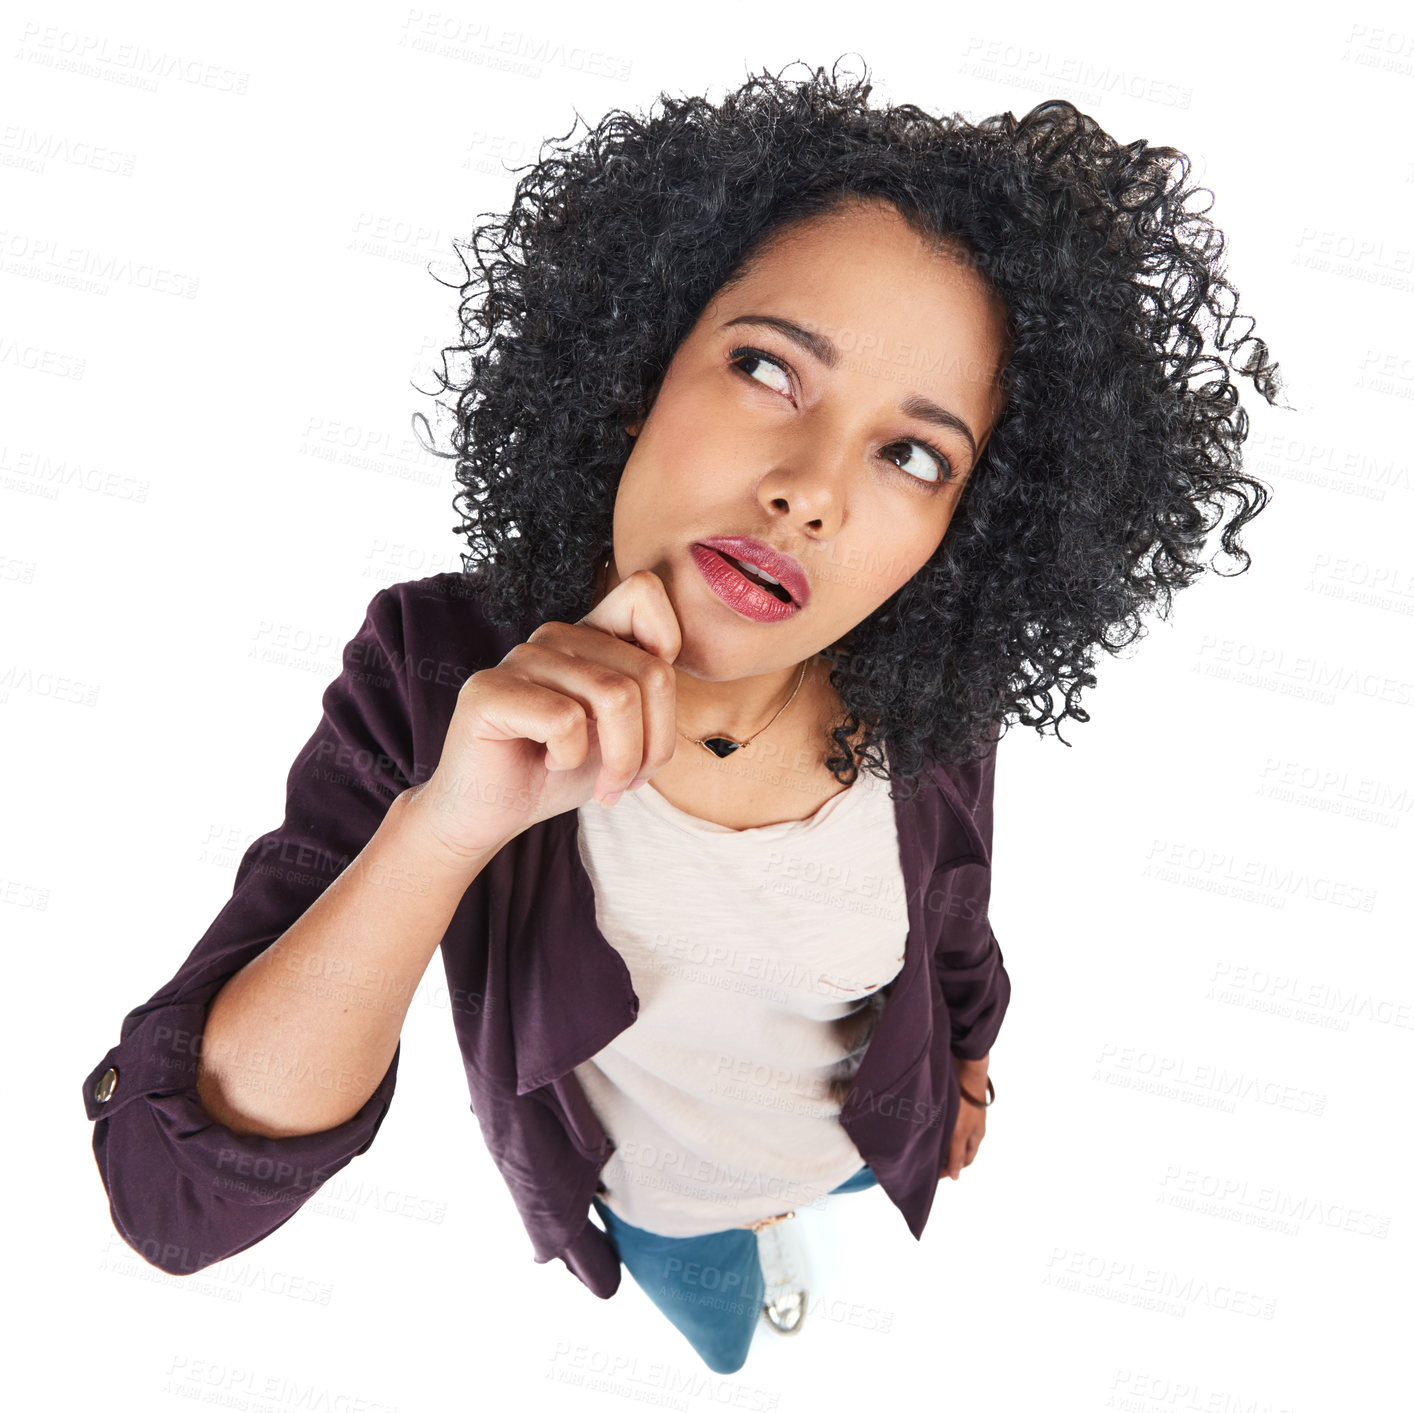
(639, 611)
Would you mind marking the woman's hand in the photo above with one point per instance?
(971, 1121)
(577, 711)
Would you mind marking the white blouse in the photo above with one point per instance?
(757, 956)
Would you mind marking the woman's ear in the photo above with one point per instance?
(634, 426)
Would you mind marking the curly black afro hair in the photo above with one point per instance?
(1107, 470)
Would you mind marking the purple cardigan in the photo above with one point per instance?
(536, 988)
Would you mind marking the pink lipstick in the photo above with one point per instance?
(740, 589)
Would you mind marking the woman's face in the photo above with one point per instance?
(829, 456)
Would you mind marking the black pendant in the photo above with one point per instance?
(721, 746)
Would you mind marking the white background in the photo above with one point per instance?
(1203, 890)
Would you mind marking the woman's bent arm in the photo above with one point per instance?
(325, 1003)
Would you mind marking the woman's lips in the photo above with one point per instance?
(757, 575)
(747, 549)
(738, 591)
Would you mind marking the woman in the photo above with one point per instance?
(803, 446)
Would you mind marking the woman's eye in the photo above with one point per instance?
(744, 356)
(927, 465)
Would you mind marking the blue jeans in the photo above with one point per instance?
(709, 1286)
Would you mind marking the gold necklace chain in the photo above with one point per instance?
(723, 746)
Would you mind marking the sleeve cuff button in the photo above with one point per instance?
(103, 1090)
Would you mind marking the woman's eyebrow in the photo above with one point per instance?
(824, 351)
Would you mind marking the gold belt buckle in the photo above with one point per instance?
(767, 1221)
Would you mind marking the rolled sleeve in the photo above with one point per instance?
(185, 1191)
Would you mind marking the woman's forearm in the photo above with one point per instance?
(300, 1037)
